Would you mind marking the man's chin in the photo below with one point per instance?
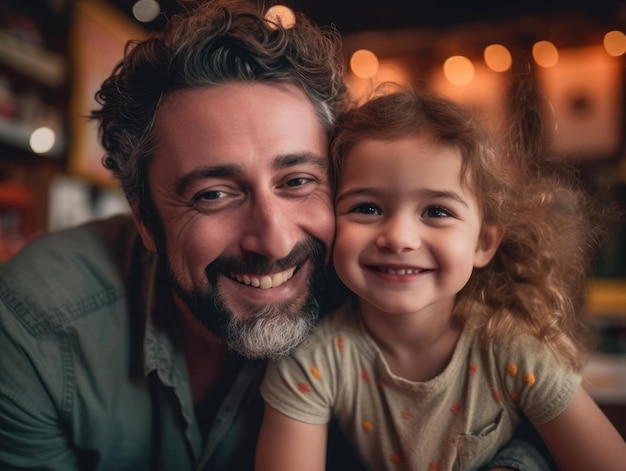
(256, 331)
(268, 336)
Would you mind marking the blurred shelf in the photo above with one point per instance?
(606, 297)
(604, 378)
(47, 67)
(18, 135)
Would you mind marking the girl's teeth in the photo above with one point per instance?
(399, 271)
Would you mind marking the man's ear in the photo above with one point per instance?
(144, 232)
(488, 243)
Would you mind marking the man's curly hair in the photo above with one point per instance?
(214, 43)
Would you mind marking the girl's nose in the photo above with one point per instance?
(399, 234)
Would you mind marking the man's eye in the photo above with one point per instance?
(297, 181)
(435, 212)
(210, 195)
(365, 208)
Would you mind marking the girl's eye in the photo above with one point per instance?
(365, 208)
(435, 212)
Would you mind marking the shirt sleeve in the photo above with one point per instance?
(31, 435)
(303, 384)
(535, 379)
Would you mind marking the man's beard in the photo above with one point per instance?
(265, 331)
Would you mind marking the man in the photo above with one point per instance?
(118, 336)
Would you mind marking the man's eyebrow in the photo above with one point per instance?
(290, 160)
(216, 171)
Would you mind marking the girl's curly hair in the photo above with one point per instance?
(535, 281)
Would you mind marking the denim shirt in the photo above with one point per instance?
(91, 373)
(92, 376)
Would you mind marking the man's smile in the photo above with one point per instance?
(271, 280)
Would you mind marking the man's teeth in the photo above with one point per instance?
(266, 281)
(399, 271)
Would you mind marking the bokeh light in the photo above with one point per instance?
(615, 43)
(497, 57)
(364, 64)
(146, 10)
(545, 54)
(280, 15)
(459, 70)
(42, 140)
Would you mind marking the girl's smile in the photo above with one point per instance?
(408, 228)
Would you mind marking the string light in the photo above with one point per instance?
(280, 15)
(459, 70)
(545, 54)
(497, 57)
(42, 140)
(615, 43)
(364, 64)
(146, 10)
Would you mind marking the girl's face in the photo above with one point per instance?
(408, 228)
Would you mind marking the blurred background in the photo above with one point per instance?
(55, 53)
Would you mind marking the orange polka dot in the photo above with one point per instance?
(433, 466)
(473, 368)
(514, 396)
(395, 458)
(365, 375)
(511, 369)
(367, 425)
(304, 388)
(340, 343)
(456, 408)
(315, 372)
(496, 394)
(529, 379)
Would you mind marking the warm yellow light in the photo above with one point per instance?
(497, 57)
(615, 43)
(280, 15)
(42, 140)
(459, 70)
(364, 64)
(545, 54)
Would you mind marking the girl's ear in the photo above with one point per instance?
(488, 243)
(144, 232)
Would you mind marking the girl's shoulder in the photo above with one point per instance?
(337, 336)
(344, 320)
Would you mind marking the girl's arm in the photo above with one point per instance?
(583, 438)
(287, 444)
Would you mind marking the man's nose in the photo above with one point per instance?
(399, 234)
(270, 229)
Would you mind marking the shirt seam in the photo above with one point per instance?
(41, 321)
(69, 376)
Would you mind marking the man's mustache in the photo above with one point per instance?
(310, 248)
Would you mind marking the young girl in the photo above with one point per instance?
(467, 266)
